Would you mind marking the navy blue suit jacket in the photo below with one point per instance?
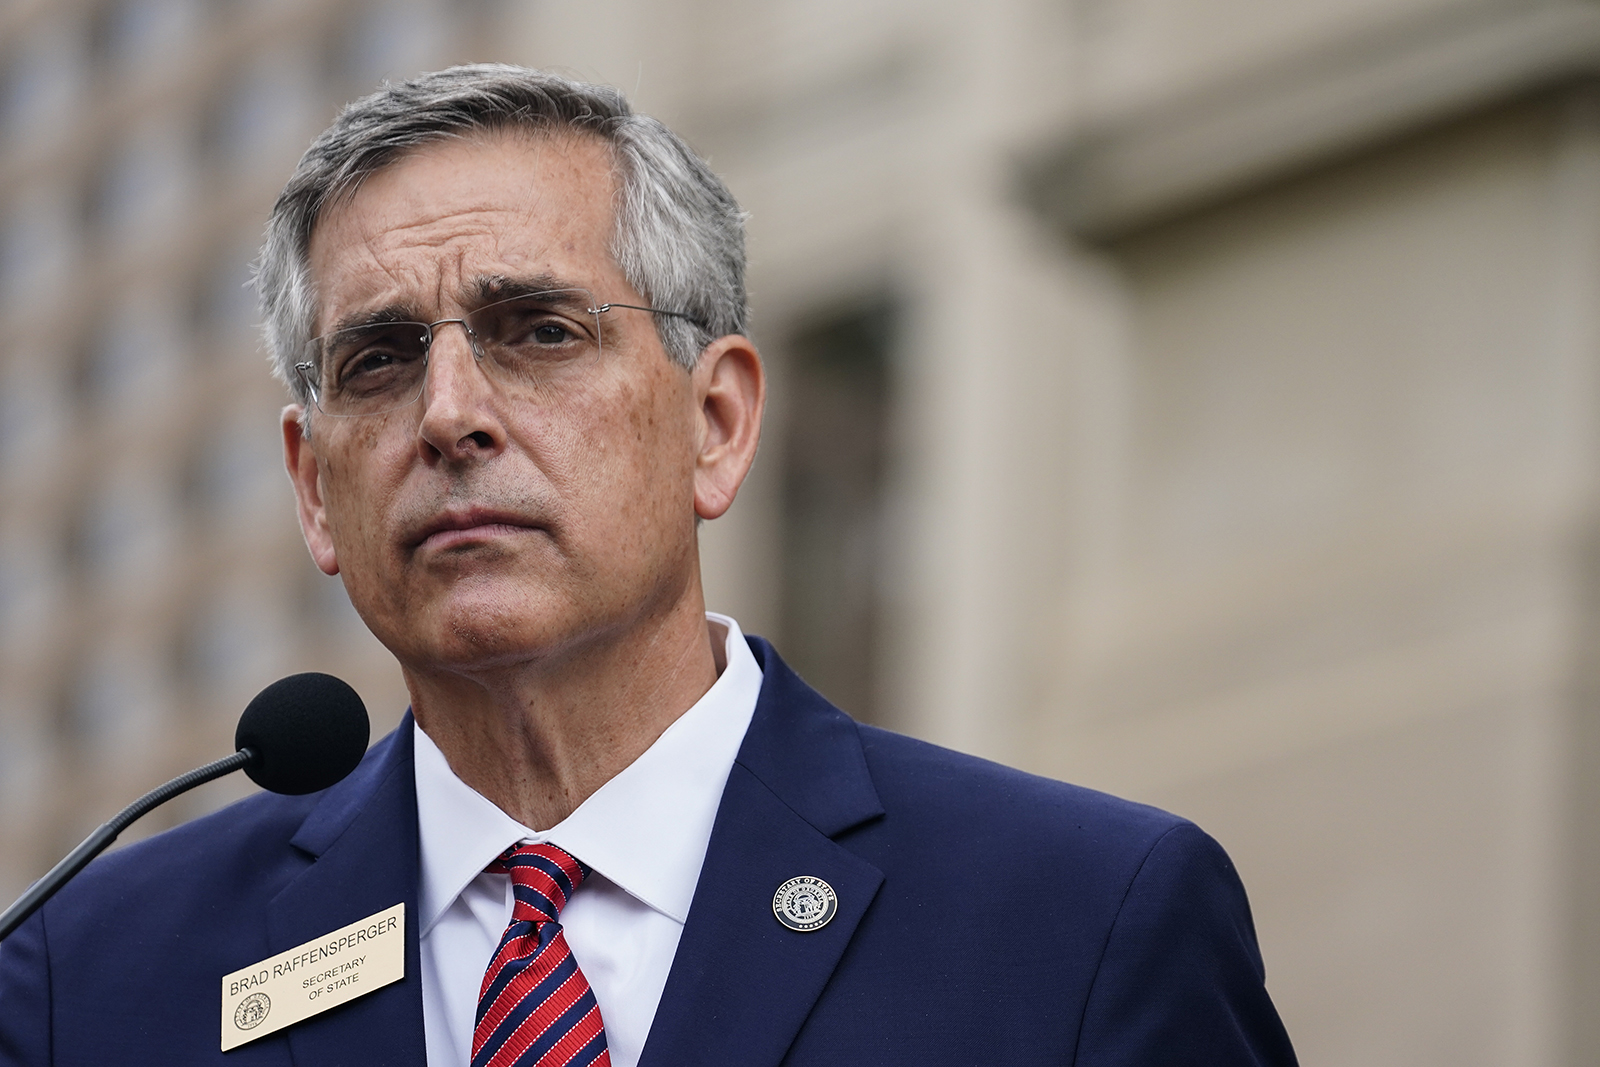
(985, 916)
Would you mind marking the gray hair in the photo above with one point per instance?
(678, 237)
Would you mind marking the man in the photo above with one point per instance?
(512, 314)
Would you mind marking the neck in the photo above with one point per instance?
(538, 738)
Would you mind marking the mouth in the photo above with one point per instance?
(455, 529)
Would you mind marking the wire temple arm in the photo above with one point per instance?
(603, 308)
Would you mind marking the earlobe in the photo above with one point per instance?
(731, 389)
(299, 457)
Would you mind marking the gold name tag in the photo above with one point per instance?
(323, 973)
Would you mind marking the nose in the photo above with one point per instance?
(460, 406)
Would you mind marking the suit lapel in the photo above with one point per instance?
(363, 835)
(742, 984)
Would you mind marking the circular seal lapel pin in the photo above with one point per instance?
(805, 903)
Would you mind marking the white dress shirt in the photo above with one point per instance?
(644, 836)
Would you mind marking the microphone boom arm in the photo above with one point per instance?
(95, 843)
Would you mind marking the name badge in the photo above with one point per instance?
(323, 973)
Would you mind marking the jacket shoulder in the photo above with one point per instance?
(972, 796)
(842, 775)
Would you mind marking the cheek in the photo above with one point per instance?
(628, 436)
(353, 483)
(655, 441)
(624, 462)
(662, 446)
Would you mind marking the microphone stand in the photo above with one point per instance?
(95, 843)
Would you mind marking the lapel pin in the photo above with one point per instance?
(805, 904)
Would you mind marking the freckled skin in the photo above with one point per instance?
(549, 644)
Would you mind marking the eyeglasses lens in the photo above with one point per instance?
(529, 341)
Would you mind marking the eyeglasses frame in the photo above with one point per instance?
(307, 367)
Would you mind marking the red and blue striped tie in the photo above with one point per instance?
(536, 1008)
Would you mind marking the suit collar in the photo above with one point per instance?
(807, 751)
(344, 802)
(363, 836)
(742, 984)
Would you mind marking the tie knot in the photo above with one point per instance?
(543, 878)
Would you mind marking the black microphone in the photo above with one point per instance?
(300, 734)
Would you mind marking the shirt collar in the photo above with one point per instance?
(646, 829)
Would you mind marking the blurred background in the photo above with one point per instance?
(1193, 399)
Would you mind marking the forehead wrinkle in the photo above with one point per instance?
(393, 244)
(402, 280)
(446, 240)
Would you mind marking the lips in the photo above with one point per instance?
(474, 524)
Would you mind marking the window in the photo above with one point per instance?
(835, 451)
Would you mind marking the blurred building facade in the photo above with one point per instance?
(150, 575)
(1194, 399)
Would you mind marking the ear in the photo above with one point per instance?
(300, 457)
(731, 390)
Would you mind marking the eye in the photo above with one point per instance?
(374, 359)
(550, 333)
(531, 328)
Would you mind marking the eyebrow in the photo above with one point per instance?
(487, 288)
(484, 289)
(387, 313)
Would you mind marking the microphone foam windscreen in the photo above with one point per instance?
(307, 730)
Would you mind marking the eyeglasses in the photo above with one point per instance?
(527, 341)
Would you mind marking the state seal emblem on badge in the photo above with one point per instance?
(805, 903)
(252, 1011)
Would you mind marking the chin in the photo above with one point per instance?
(486, 633)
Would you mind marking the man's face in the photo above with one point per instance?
(484, 526)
